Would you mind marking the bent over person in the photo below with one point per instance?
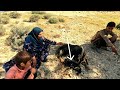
(101, 39)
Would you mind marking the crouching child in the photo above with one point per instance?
(22, 68)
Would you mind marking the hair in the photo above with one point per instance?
(22, 56)
(111, 24)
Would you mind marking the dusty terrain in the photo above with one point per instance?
(79, 27)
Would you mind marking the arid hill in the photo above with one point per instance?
(79, 27)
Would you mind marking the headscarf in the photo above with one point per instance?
(33, 35)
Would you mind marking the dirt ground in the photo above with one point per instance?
(79, 27)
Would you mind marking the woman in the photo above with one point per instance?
(36, 44)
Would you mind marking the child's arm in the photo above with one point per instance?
(33, 71)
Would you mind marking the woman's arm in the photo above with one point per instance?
(53, 42)
(49, 41)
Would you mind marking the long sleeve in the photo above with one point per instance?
(50, 41)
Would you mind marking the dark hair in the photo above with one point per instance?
(111, 24)
(22, 56)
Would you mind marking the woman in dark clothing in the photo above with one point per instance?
(36, 44)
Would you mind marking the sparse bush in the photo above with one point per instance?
(61, 20)
(4, 13)
(53, 20)
(118, 26)
(57, 36)
(17, 36)
(2, 30)
(38, 12)
(14, 15)
(16, 22)
(4, 20)
(47, 16)
(25, 20)
(74, 42)
(34, 18)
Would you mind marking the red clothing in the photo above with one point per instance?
(15, 73)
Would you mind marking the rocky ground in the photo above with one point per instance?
(104, 65)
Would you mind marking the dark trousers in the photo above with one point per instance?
(101, 42)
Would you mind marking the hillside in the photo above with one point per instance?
(79, 27)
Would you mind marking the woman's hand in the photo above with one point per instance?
(59, 43)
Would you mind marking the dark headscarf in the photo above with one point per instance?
(34, 35)
(35, 32)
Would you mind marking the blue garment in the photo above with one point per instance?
(7, 65)
(37, 47)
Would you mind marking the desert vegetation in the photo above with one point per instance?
(77, 26)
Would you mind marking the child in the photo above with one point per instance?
(22, 65)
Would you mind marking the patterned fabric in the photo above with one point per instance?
(37, 47)
(8, 64)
